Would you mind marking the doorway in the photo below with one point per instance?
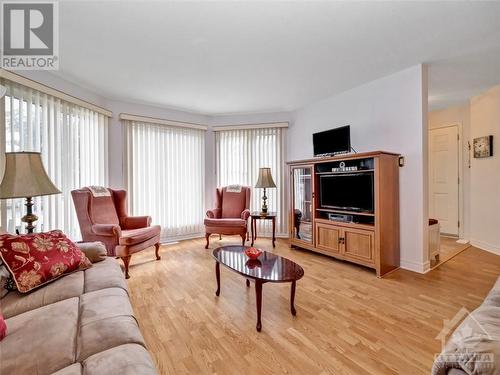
(445, 203)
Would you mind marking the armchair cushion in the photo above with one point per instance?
(111, 230)
(233, 204)
(236, 223)
(245, 214)
(135, 222)
(103, 211)
(135, 236)
(214, 214)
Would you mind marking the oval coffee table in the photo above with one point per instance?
(268, 268)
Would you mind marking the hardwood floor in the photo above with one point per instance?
(348, 321)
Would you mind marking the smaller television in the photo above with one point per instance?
(332, 142)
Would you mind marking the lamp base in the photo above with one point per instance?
(263, 210)
(29, 218)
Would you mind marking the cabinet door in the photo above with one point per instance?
(359, 245)
(328, 237)
(302, 198)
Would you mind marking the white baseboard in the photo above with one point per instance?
(485, 246)
(411, 265)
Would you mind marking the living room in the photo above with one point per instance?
(169, 134)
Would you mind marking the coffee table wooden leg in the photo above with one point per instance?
(248, 283)
(258, 295)
(217, 275)
(292, 299)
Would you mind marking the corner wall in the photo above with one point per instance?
(485, 176)
(388, 114)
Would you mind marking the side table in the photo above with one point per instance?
(259, 216)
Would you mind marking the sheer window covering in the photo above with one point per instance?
(73, 141)
(165, 172)
(239, 155)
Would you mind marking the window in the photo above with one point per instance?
(73, 141)
(239, 155)
(166, 176)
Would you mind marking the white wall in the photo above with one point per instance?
(458, 115)
(388, 114)
(485, 175)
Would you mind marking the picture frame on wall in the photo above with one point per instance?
(483, 147)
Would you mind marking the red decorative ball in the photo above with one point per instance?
(253, 252)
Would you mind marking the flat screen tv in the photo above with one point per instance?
(348, 191)
(333, 141)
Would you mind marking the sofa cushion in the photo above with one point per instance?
(66, 287)
(475, 345)
(41, 341)
(94, 251)
(36, 259)
(105, 274)
(74, 369)
(106, 321)
(128, 359)
(135, 236)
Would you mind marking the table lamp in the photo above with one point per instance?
(265, 181)
(25, 177)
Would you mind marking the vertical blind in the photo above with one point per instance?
(166, 176)
(239, 155)
(73, 141)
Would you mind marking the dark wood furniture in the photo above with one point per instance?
(256, 216)
(268, 267)
(371, 238)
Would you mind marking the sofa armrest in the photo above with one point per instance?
(94, 251)
(245, 214)
(214, 214)
(110, 230)
(136, 222)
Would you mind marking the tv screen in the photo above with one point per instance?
(350, 192)
(333, 141)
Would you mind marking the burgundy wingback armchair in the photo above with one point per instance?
(105, 219)
(230, 215)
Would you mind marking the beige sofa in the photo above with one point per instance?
(474, 346)
(82, 323)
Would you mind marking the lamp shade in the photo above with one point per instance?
(265, 179)
(25, 176)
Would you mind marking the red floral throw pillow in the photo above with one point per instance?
(36, 259)
(3, 327)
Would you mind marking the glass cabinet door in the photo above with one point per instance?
(302, 190)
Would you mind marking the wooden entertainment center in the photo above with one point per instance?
(369, 238)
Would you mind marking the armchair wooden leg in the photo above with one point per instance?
(243, 238)
(220, 237)
(126, 261)
(207, 236)
(157, 251)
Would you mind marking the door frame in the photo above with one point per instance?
(459, 127)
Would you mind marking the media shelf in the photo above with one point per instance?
(346, 172)
(367, 238)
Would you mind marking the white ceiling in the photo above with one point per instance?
(244, 57)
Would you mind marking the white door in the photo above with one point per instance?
(443, 178)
